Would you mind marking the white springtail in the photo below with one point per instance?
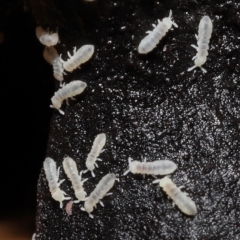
(203, 38)
(105, 184)
(98, 144)
(52, 176)
(185, 204)
(51, 56)
(67, 91)
(79, 57)
(158, 167)
(70, 168)
(149, 42)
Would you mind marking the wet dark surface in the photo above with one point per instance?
(149, 106)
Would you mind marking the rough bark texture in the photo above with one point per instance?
(148, 106)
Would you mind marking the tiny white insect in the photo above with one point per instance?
(104, 185)
(158, 167)
(67, 91)
(47, 38)
(51, 56)
(203, 38)
(52, 176)
(58, 70)
(185, 204)
(98, 144)
(70, 168)
(79, 57)
(149, 42)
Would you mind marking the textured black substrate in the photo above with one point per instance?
(148, 106)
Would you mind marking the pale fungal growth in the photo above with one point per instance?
(52, 176)
(69, 208)
(152, 39)
(185, 204)
(203, 38)
(105, 184)
(158, 167)
(47, 38)
(98, 144)
(70, 168)
(67, 91)
(79, 57)
(51, 56)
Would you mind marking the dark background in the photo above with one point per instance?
(26, 86)
(147, 105)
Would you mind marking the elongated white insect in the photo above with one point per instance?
(98, 144)
(152, 39)
(52, 176)
(47, 38)
(203, 38)
(68, 91)
(180, 198)
(51, 56)
(58, 70)
(104, 185)
(70, 168)
(159, 167)
(79, 57)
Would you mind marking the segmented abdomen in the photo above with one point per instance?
(51, 173)
(161, 29)
(70, 168)
(58, 69)
(204, 35)
(160, 167)
(76, 61)
(79, 57)
(69, 90)
(95, 152)
(152, 39)
(98, 144)
(180, 198)
(105, 184)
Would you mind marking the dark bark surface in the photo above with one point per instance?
(148, 106)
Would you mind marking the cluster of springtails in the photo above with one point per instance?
(84, 53)
(149, 42)
(71, 170)
(50, 54)
(158, 167)
(164, 167)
